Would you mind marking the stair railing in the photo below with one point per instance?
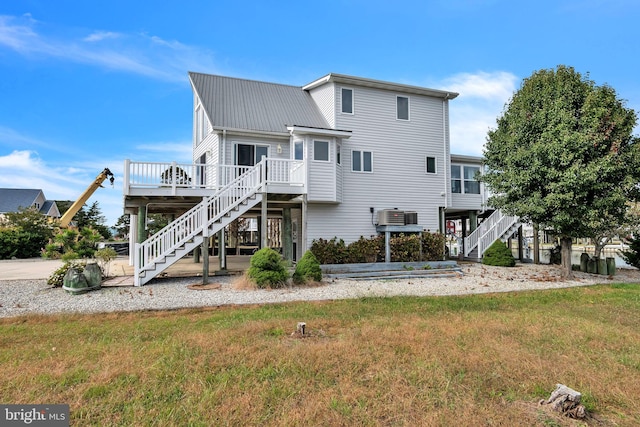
(201, 216)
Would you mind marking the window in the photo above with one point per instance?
(466, 181)
(456, 181)
(402, 107)
(347, 101)
(361, 161)
(250, 155)
(321, 151)
(201, 125)
(338, 159)
(298, 150)
(431, 165)
(471, 185)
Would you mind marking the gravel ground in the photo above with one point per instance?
(19, 297)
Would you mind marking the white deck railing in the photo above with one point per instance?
(175, 176)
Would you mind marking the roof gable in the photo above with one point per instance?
(12, 199)
(232, 103)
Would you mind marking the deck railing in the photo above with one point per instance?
(175, 176)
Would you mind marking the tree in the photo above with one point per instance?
(562, 156)
(24, 234)
(87, 217)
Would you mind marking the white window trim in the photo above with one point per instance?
(408, 119)
(328, 151)
(435, 164)
(255, 144)
(462, 179)
(362, 161)
(353, 101)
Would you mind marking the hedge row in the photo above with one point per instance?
(404, 248)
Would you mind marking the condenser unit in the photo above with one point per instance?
(390, 217)
(410, 217)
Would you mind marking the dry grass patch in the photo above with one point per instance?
(473, 360)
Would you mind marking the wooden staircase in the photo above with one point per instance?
(496, 226)
(187, 232)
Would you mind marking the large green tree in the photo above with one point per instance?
(562, 156)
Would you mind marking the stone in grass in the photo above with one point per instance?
(566, 401)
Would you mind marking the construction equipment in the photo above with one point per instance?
(77, 205)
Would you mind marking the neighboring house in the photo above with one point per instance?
(14, 199)
(342, 157)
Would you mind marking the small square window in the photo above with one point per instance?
(431, 165)
(347, 101)
(402, 108)
(361, 161)
(321, 151)
(298, 150)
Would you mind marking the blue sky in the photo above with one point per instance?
(87, 84)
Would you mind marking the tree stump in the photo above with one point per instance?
(566, 401)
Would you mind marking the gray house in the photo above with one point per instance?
(342, 157)
(14, 199)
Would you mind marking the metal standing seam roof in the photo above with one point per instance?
(232, 103)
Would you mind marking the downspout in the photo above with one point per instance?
(222, 159)
(446, 156)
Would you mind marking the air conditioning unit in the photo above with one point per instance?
(410, 217)
(390, 217)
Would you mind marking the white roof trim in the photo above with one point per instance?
(301, 130)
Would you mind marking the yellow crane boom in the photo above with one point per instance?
(77, 205)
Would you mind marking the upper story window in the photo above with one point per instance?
(361, 161)
(464, 178)
(431, 165)
(200, 125)
(298, 150)
(338, 154)
(402, 107)
(321, 151)
(347, 101)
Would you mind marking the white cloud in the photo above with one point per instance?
(482, 98)
(101, 35)
(149, 56)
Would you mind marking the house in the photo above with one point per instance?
(14, 199)
(342, 156)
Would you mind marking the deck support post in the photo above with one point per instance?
(264, 241)
(520, 244)
(205, 260)
(142, 224)
(133, 234)
(473, 221)
(222, 250)
(287, 237)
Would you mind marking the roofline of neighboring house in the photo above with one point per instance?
(379, 84)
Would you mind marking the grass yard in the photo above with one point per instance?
(466, 361)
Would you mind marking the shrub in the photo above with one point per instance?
(267, 269)
(332, 251)
(307, 269)
(405, 248)
(632, 256)
(104, 257)
(499, 254)
(432, 246)
(57, 277)
(366, 250)
(17, 243)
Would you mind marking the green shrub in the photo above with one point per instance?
(57, 277)
(405, 248)
(432, 246)
(332, 251)
(104, 257)
(307, 269)
(499, 254)
(267, 269)
(632, 256)
(17, 243)
(366, 250)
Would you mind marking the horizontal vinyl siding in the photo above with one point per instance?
(399, 178)
(324, 98)
(271, 142)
